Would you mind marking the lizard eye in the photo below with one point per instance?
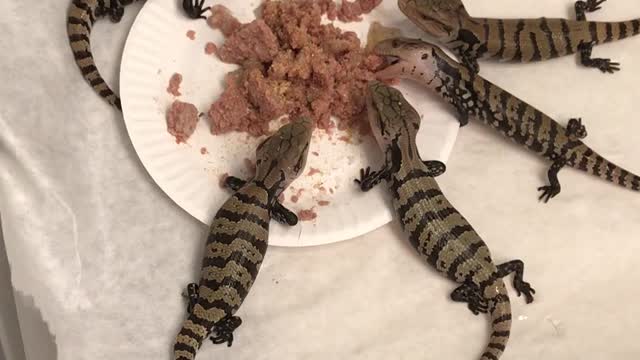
(425, 56)
(395, 44)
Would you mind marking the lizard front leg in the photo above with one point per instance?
(116, 11)
(278, 212)
(194, 9)
(521, 286)
(368, 180)
(470, 62)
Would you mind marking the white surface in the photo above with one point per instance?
(105, 253)
(158, 47)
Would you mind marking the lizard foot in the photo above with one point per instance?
(523, 287)
(592, 5)
(283, 215)
(548, 192)
(234, 183)
(192, 294)
(368, 179)
(116, 12)
(224, 330)
(194, 8)
(470, 295)
(604, 65)
(576, 129)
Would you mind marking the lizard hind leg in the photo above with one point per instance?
(553, 189)
(576, 130)
(116, 11)
(192, 293)
(588, 6)
(605, 65)
(521, 286)
(224, 330)
(470, 293)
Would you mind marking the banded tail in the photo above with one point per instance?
(500, 309)
(193, 332)
(81, 16)
(592, 163)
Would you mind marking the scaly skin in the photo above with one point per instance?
(238, 237)
(440, 234)
(523, 40)
(474, 97)
(81, 16)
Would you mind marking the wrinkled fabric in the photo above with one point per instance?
(105, 254)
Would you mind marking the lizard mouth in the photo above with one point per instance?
(394, 67)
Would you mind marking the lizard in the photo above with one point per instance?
(524, 40)
(238, 239)
(436, 230)
(81, 16)
(472, 96)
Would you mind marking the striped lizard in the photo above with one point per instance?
(525, 40)
(237, 242)
(82, 15)
(473, 96)
(438, 232)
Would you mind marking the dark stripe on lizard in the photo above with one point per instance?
(463, 256)
(236, 217)
(544, 26)
(567, 39)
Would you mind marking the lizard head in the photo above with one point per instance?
(391, 117)
(282, 157)
(438, 18)
(408, 58)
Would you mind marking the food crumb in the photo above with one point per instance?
(204, 151)
(323, 203)
(223, 179)
(174, 84)
(313, 171)
(345, 139)
(331, 190)
(296, 196)
(191, 34)
(307, 214)
(182, 119)
(210, 48)
(315, 153)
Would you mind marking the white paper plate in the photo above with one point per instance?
(157, 47)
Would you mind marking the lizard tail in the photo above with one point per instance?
(193, 332)
(80, 20)
(604, 32)
(500, 309)
(594, 164)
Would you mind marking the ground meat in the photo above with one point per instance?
(296, 197)
(291, 64)
(174, 84)
(315, 153)
(222, 19)
(351, 11)
(191, 34)
(182, 119)
(253, 41)
(210, 48)
(324, 203)
(204, 151)
(307, 215)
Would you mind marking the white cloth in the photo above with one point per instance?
(105, 254)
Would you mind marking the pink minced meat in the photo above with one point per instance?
(292, 64)
(351, 10)
(182, 119)
(253, 41)
(210, 48)
(222, 19)
(307, 215)
(174, 84)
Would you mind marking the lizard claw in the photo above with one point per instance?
(605, 65)
(594, 5)
(194, 8)
(523, 287)
(548, 192)
(224, 330)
